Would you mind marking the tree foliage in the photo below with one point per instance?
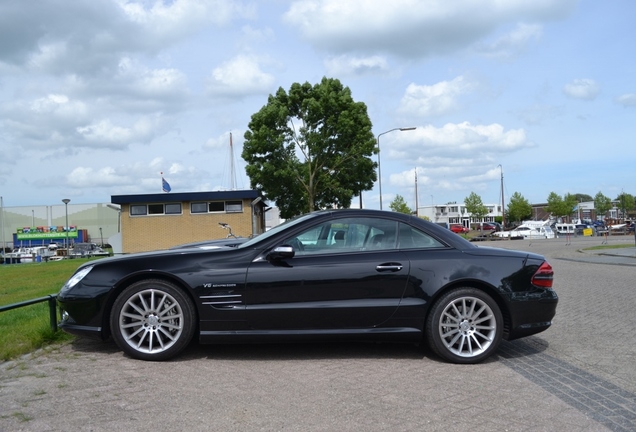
(581, 197)
(561, 206)
(399, 205)
(475, 206)
(310, 148)
(625, 202)
(602, 204)
(519, 208)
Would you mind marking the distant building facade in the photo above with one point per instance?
(456, 213)
(99, 221)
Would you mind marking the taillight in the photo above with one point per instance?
(543, 276)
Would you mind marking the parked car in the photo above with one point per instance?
(87, 250)
(489, 226)
(333, 274)
(459, 228)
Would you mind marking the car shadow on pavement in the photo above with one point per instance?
(313, 351)
(305, 351)
(522, 347)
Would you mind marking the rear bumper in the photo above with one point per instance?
(532, 314)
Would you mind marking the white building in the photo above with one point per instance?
(456, 213)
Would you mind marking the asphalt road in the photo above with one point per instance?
(580, 375)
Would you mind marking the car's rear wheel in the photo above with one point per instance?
(152, 320)
(464, 326)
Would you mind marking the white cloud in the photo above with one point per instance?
(412, 28)
(511, 44)
(434, 100)
(627, 100)
(239, 77)
(347, 65)
(586, 89)
(456, 144)
(87, 177)
(106, 134)
(453, 157)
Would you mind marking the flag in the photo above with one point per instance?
(165, 185)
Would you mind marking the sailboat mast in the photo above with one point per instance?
(232, 171)
(416, 203)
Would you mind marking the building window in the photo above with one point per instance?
(138, 210)
(234, 206)
(173, 208)
(199, 207)
(155, 209)
(217, 207)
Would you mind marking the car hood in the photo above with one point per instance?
(160, 254)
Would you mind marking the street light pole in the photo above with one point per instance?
(66, 201)
(379, 164)
(503, 209)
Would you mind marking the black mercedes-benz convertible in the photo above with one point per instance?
(332, 274)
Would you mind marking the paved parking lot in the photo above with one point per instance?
(580, 375)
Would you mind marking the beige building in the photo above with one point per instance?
(160, 221)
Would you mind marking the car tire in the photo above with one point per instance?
(152, 320)
(464, 326)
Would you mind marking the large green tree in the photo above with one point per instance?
(519, 208)
(399, 205)
(561, 206)
(475, 207)
(625, 202)
(602, 204)
(581, 197)
(310, 148)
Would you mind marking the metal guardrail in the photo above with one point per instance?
(51, 299)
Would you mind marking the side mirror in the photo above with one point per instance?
(281, 252)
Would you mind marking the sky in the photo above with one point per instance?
(106, 97)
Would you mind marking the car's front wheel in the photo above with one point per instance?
(152, 320)
(464, 326)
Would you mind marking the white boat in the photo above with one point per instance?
(528, 230)
(24, 254)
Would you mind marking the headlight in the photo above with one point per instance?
(78, 276)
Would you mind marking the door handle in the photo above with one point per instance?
(389, 267)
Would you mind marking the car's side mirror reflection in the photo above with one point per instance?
(281, 252)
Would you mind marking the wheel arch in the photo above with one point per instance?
(121, 285)
(482, 286)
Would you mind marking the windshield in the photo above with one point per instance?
(267, 234)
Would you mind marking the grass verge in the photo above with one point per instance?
(614, 246)
(28, 328)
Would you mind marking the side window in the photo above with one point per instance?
(345, 235)
(411, 238)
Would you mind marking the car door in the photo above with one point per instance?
(332, 282)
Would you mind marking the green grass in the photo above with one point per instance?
(28, 328)
(616, 246)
